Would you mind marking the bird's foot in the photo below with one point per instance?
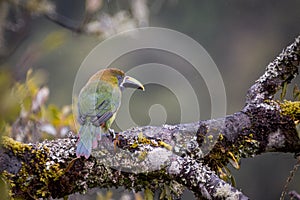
(116, 142)
(115, 138)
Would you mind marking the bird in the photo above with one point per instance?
(98, 103)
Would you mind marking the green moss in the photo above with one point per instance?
(291, 109)
(7, 184)
(141, 139)
(36, 172)
(16, 147)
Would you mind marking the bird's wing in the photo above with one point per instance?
(99, 101)
(108, 107)
(104, 113)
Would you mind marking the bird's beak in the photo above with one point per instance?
(130, 82)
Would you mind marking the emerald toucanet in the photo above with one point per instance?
(98, 103)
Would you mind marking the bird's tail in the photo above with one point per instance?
(87, 140)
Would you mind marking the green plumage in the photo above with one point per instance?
(99, 98)
(98, 103)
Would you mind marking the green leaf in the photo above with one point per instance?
(296, 93)
(283, 93)
(148, 194)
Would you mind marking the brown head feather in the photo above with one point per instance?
(109, 75)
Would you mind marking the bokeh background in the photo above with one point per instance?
(242, 37)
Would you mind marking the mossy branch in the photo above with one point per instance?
(191, 155)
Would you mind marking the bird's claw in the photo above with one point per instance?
(112, 133)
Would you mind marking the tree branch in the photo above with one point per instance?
(282, 70)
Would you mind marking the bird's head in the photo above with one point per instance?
(117, 77)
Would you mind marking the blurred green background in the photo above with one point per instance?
(242, 37)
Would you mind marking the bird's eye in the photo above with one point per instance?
(119, 77)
